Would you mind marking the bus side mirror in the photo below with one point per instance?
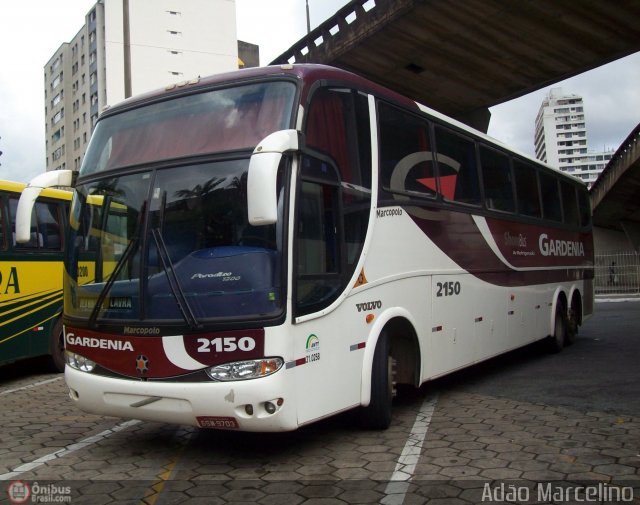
(31, 193)
(262, 197)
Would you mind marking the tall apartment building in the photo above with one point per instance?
(561, 137)
(127, 47)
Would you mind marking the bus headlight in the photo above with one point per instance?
(79, 362)
(242, 370)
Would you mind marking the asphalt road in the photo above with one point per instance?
(600, 372)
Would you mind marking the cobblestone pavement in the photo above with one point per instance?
(472, 445)
(446, 445)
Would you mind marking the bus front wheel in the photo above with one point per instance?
(377, 415)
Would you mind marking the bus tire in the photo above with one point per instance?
(572, 326)
(56, 348)
(377, 415)
(557, 340)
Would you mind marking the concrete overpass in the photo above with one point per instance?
(615, 196)
(461, 57)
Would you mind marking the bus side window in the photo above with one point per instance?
(527, 189)
(550, 197)
(34, 239)
(457, 167)
(496, 177)
(569, 204)
(334, 196)
(317, 237)
(406, 157)
(49, 225)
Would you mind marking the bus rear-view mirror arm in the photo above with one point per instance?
(262, 197)
(31, 193)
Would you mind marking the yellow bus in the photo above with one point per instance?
(31, 277)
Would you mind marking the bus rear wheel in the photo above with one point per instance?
(572, 325)
(557, 340)
(377, 415)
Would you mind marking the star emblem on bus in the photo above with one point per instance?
(142, 364)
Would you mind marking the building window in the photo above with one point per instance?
(59, 115)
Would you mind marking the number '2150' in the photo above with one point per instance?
(448, 288)
(226, 344)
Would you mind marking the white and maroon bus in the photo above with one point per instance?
(265, 248)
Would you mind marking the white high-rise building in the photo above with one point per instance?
(125, 48)
(561, 137)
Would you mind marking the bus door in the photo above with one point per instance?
(332, 215)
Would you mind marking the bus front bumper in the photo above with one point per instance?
(251, 405)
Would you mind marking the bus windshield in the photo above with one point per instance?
(171, 242)
(210, 122)
(184, 254)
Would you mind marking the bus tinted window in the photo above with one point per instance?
(332, 128)
(550, 197)
(406, 155)
(569, 203)
(49, 225)
(457, 167)
(496, 176)
(46, 226)
(527, 189)
(334, 196)
(219, 120)
(34, 239)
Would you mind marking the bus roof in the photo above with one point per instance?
(310, 73)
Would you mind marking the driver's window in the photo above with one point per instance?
(334, 196)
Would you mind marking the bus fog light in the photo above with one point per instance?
(269, 407)
(242, 370)
(248, 409)
(79, 362)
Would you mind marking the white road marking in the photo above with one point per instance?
(29, 386)
(398, 485)
(27, 467)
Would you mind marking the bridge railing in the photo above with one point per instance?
(617, 273)
(354, 11)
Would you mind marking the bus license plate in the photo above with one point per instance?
(220, 423)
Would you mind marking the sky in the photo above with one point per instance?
(611, 93)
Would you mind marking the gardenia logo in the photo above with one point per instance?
(550, 247)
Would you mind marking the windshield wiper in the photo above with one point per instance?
(174, 283)
(131, 247)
